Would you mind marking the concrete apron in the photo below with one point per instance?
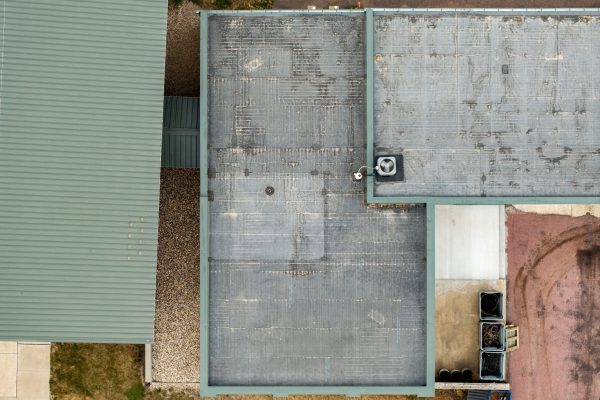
(24, 371)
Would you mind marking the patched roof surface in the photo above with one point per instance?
(307, 285)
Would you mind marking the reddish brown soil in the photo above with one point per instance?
(554, 298)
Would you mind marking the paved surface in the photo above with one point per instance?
(24, 371)
(470, 242)
(457, 322)
(470, 257)
(307, 285)
(467, 128)
(554, 298)
(176, 349)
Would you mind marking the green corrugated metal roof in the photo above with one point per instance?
(180, 132)
(81, 88)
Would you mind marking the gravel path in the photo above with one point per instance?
(182, 67)
(177, 324)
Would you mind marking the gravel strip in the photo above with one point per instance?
(182, 68)
(176, 351)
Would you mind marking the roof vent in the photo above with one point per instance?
(386, 166)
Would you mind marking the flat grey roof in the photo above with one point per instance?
(488, 105)
(308, 287)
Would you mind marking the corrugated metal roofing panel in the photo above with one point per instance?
(81, 89)
(181, 112)
(180, 132)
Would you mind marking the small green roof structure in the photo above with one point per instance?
(81, 97)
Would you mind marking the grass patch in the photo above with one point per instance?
(103, 372)
(136, 392)
(170, 394)
(96, 371)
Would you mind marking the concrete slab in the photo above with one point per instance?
(554, 298)
(34, 357)
(8, 347)
(457, 322)
(33, 384)
(470, 242)
(8, 375)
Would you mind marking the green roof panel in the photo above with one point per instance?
(81, 98)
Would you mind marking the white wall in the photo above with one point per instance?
(470, 242)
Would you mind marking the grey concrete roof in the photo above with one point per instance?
(307, 285)
(466, 127)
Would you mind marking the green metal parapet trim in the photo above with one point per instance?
(430, 298)
(350, 391)
(492, 11)
(424, 11)
(369, 96)
(204, 214)
(475, 200)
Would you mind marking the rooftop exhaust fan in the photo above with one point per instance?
(386, 166)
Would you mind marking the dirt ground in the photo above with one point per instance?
(554, 298)
(81, 371)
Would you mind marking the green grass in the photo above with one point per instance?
(96, 371)
(169, 394)
(136, 392)
(102, 372)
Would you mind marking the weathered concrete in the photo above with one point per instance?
(8, 374)
(24, 371)
(307, 285)
(457, 322)
(554, 298)
(467, 128)
(470, 242)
